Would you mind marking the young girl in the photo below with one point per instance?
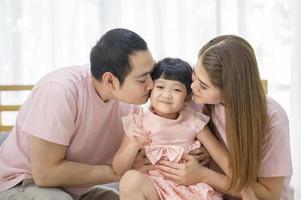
(252, 126)
(167, 131)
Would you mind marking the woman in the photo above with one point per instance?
(253, 127)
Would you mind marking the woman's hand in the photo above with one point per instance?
(187, 173)
(201, 154)
(248, 194)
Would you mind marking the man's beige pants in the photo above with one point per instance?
(28, 190)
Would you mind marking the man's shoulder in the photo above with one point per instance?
(127, 108)
(67, 76)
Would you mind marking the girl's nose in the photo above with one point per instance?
(166, 95)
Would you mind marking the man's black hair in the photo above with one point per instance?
(111, 53)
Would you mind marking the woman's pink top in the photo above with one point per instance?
(276, 154)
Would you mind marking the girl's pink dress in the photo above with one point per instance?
(170, 140)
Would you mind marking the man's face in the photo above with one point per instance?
(138, 83)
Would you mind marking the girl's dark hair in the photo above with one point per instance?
(174, 69)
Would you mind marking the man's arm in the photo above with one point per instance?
(51, 169)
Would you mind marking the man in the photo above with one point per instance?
(69, 128)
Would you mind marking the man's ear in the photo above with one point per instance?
(110, 81)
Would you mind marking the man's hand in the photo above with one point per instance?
(142, 163)
(201, 154)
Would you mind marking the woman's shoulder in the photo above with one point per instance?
(276, 112)
(275, 162)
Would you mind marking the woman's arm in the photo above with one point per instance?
(216, 150)
(268, 188)
(248, 194)
(191, 172)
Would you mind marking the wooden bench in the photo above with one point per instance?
(9, 107)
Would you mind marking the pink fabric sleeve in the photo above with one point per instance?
(201, 121)
(127, 121)
(276, 156)
(52, 113)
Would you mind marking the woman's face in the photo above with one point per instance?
(202, 89)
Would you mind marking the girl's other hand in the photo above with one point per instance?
(136, 132)
(201, 154)
(142, 163)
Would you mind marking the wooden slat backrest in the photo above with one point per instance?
(265, 86)
(14, 108)
(10, 108)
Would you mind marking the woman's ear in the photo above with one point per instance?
(110, 81)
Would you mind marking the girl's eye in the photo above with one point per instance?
(160, 87)
(177, 90)
(141, 81)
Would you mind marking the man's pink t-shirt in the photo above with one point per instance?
(65, 109)
(276, 155)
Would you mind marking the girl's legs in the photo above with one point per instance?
(135, 185)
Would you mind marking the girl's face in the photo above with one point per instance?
(202, 89)
(168, 97)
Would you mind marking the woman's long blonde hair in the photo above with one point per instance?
(231, 65)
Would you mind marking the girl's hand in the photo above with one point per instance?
(201, 154)
(136, 132)
(188, 173)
